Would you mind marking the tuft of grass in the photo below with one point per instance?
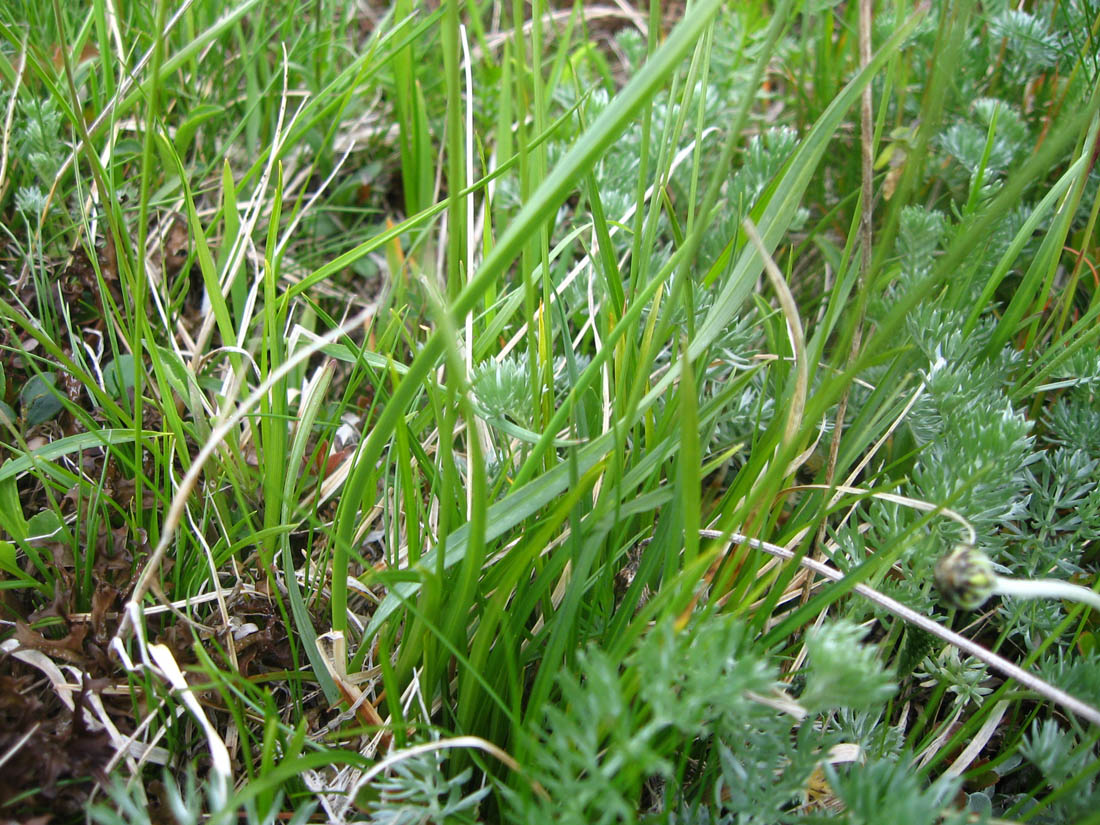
(503, 412)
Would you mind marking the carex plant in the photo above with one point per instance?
(424, 361)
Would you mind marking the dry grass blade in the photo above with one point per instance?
(219, 754)
(8, 118)
(980, 740)
(187, 484)
(442, 744)
(798, 339)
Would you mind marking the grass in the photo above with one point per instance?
(492, 412)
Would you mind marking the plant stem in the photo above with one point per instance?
(1046, 589)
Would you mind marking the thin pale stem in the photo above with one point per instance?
(998, 663)
(1046, 589)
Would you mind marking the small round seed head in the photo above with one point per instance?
(965, 577)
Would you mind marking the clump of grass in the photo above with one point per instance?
(448, 413)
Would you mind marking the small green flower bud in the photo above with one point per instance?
(965, 577)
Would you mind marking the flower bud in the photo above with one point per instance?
(965, 577)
